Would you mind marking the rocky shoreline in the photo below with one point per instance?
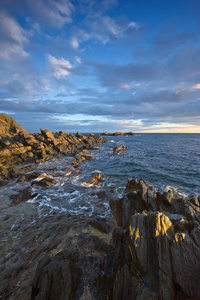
(152, 252)
(18, 147)
(147, 246)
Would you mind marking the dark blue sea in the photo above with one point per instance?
(161, 159)
(165, 161)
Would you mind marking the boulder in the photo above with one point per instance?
(118, 149)
(79, 135)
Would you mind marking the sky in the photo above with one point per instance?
(94, 66)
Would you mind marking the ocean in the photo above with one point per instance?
(165, 161)
(161, 159)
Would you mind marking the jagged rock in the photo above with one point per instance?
(79, 135)
(151, 236)
(47, 181)
(28, 177)
(96, 179)
(8, 124)
(84, 155)
(118, 149)
(47, 134)
(58, 278)
(185, 261)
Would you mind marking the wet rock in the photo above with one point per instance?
(84, 155)
(29, 177)
(22, 196)
(118, 149)
(44, 182)
(77, 172)
(26, 169)
(96, 179)
(75, 165)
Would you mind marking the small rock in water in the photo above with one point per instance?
(23, 196)
(118, 149)
(44, 182)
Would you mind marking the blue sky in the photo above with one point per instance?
(93, 65)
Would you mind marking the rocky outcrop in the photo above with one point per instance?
(17, 146)
(119, 149)
(117, 133)
(152, 253)
(8, 125)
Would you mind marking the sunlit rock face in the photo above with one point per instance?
(153, 252)
(17, 146)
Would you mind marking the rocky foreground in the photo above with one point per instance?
(153, 252)
(147, 247)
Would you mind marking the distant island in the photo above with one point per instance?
(117, 133)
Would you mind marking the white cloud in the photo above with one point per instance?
(78, 59)
(101, 28)
(74, 43)
(61, 67)
(133, 25)
(56, 13)
(13, 38)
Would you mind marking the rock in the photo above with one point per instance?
(96, 179)
(47, 181)
(100, 224)
(78, 135)
(118, 133)
(185, 260)
(57, 278)
(47, 134)
(28, 177)
(8, 124)
(118, 149)
(22, 196)
(84, 155)
(63, 148)
(75, 165)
